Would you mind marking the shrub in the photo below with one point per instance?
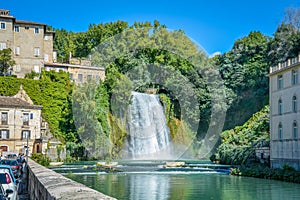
(42, 159)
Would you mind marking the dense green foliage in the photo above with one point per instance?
(90, 112)
(134, 65)
(285, 43)
(80, 44)
(42, 159)
(244, 69)
(237, 144)
(147, 55)
(51, 91)
(6, 61)
(287, 173)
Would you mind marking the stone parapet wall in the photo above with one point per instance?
(45, 184)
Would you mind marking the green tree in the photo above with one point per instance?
(286, 41)
(6, 61)
(244, 69)
(86, 114)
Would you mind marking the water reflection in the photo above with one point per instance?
(135, 186)
(152, 187)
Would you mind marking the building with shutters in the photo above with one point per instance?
(20, 125)
(32, 46)
(285, 114)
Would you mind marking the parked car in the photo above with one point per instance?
(11, 156)
(7, 182)
(4, 193)
(8, 169)
(15, 165)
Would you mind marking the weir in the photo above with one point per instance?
(147, 130)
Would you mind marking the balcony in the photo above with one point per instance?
(289, 63)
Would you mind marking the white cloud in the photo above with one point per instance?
(215, 54)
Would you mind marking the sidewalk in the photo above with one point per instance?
(23, 189)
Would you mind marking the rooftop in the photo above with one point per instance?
(291, 62)
(13, 102)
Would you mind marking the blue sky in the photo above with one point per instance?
(214, 25)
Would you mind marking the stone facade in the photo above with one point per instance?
(32, 47)
(30, 42)
(20, 125)
(78, 73)
(285, 114)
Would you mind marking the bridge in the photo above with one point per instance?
(45, 184)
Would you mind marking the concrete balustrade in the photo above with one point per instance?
(290, 62)
(45, 184)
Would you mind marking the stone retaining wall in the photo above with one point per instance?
(45, 184)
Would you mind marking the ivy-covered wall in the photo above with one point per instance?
(51, 91)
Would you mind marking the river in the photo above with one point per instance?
(141, 180)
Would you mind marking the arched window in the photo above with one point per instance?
(280, 81)
(280, 107)
(295, 130)
(294, 77)
(280, 131)
(294, 104)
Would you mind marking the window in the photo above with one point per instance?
(46, 57)
(17, 29)
(26, 27)
(17, 68)
(26, 119)
(280, 131)
(17, 50)
(80, 78)
(4, 118)
(294, 77)
(36, 30)
(36, 69)
(280, 107)
(2, 45)
(295, 130)
(280, 82)
(4, 134)
(89, 78)
(36, 51)
(3, 25)
(97, 79)
(71, 76)
(294, 104)
(25, 134)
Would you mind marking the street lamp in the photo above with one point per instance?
(27, 147)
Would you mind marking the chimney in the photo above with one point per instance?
(4, 12)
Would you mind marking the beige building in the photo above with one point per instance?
(22, 120)
(32, 47)
(285, 114)
(30, 42)
(78, 73)
(20, 123)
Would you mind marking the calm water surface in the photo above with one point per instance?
(146, 183)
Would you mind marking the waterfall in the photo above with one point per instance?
(147, 130)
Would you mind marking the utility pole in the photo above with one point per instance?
(27, 149)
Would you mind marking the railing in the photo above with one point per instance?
(288, 63)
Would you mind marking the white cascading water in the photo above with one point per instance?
(148, 133)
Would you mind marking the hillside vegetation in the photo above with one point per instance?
(51, 91)
(238, 144)
(169, 62)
